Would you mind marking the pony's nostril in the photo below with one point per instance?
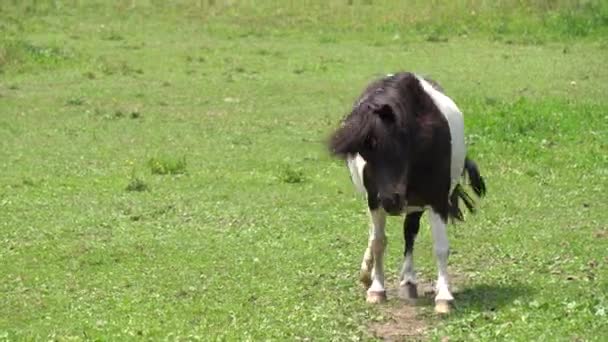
(392, 203)
(396, 198)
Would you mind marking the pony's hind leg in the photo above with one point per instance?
(441, 246)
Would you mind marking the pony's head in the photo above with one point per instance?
(381, 128)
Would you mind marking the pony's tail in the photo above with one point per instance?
(477, 184)
(475, 179)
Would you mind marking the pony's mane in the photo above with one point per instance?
(389, 98)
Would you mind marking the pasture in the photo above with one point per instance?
(164, 173)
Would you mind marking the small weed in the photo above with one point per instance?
(107, 68)
(328, 40)
(290, 175)
(132, 46)
(191, 59)
(75, 101)
(90, 75)
(122, 68)
(137, 184)
(117, 114)
(436, 38)
(135, 114)
(113, 36)
(19, 54)
(167, 165)
(28, 182)
(138, 71)
(43, 53)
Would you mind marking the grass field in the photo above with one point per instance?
(163, 173)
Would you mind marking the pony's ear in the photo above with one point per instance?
(418, 99)
(385, 112)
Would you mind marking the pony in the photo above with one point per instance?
(404, 145)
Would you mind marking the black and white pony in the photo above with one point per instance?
(404, 146)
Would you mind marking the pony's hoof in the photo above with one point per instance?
(374, 297)
(408, 291)
(442, 307)
(365, 277)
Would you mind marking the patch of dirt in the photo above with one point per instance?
(405, 319)
(601, 234)
(402, 325)
(402, 320)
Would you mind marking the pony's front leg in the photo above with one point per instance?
(407, 285)
(365, 275)
(376, 292)
(441, 246)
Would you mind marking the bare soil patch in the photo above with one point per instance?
(406, 319)
(402, 319)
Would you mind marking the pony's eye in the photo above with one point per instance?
(386, 114)
(371, 143)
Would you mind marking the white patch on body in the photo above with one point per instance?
(455, 120)
(415, 209)
(356, 163)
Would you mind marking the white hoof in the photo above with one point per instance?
(375, 297)
(442, 307)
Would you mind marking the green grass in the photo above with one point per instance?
(259, 235)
